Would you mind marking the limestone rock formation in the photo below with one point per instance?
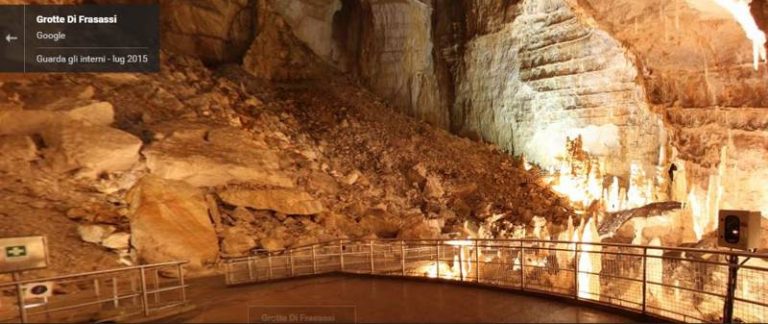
(16, 150)
(63, 111)
(276, 54)
(94, 233)
(286, 201)
(215, 156)
(213, 30)
(91, 150)
(117, 241)
(169, 221)
(236, 242)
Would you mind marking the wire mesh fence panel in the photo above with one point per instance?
(387, 257)
(542, 270)
(751, 296)
(279, 267)
(622, 270)
(328, 257)
(303, 262)
(420, 259)
(357, 258)
(449, 263)
(685, 287)
(500, 265)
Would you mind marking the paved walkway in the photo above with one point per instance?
(380, 300)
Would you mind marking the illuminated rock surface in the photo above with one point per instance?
(169, 221)
(567, 108)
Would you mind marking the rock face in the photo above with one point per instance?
(311, 21)
(94, 233)
(396, 59)
(644, 83)
(698, 74)
(284, 201)
(91, 149)
(538, 80)
(214, 30)
(169, 221)
(208, 157)
(236, 242)
(276, 54)
(35, 121)
(117, 241)
(16, 150)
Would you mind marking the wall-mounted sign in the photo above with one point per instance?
(38, 290)
(23, 253)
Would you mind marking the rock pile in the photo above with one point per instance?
(198, 165)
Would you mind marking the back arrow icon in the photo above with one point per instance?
(9, 38)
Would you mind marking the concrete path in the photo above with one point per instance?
(378, 300)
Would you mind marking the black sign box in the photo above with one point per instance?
(86, 38)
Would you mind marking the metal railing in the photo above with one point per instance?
(106, 295)
(679, 284)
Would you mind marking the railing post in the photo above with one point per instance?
(133, 289)
(437, 257)
(314, 260)
(96, 288)
(180, 269)
(20, 298)
(144, 296)
(522, 265)
(115, 300)
(250, 268)
(290, 260)
(157, 285)
(576, 270)
(370, 248)
(461, 263)
(269, 265)
(733, 268)
(645, 277)
(341, 255)
(402, 256)
(477, 261)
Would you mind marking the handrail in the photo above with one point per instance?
(123, 291)
(763, 255)
(613, 274)
(93, 273)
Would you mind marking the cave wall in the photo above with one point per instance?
(699, 75)
(551, 74)
(215, 31)
(648, 83)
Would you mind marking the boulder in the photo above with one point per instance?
(286, 201)
(169, 221)
(15, 150)
(117, 241)
(208, 158)
(272, 244)
(381, 222)
(28, 122)
(91, 149)
(98, 113)
(94, 233)
(236, 242)
(433, 188)
(242, 215)
(420, 230)
(322, 182)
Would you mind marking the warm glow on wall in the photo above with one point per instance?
(741, 12)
